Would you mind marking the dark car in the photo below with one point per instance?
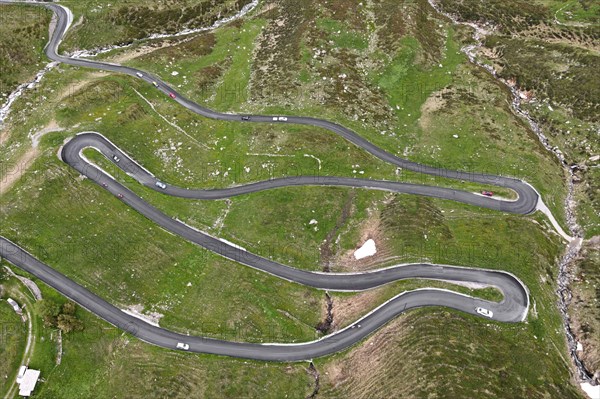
(120, 195)
(245, 118)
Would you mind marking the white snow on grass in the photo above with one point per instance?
(367, 249)
(593, 391)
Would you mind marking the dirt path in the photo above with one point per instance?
(29, 346)
(4, 135)
(16, 171)
(9, 178)
(12, 175)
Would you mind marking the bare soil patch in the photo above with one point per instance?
(18, 169)
(4, 135)
(372, 228)
(433, 104)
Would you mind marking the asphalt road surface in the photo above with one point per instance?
(513, 308)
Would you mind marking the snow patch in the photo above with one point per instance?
(367, 249)
(593, 391)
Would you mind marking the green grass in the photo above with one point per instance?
(411, 88)
(343, 35)
(557, 64)
(563, 78)
(120, 366)
(510, 17)
(13, 335)
(476, 359)
(574, 11)
(24, 32)
(43, 350)
(105, 23)
(89, 235)
(111, 363)
(157, 272)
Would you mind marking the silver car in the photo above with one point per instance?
(485, 312)
(160, 185)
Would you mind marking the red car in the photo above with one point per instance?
(487, 193)
(172, 95)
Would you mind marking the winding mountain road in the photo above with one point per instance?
(513, 308)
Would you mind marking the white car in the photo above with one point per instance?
(275, 119)
(14, 305)
(485, 312)
(282, 118)
(161, 185)
(116, 158)
(183, 346)
(21, 373)
(139, 75)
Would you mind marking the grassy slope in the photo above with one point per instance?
(414, 357)
(136, 19)
(557, 64)
(24, 32)
(112, 364)
(502, 360)
(126, 119)
(13, 335)
(584, 311)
